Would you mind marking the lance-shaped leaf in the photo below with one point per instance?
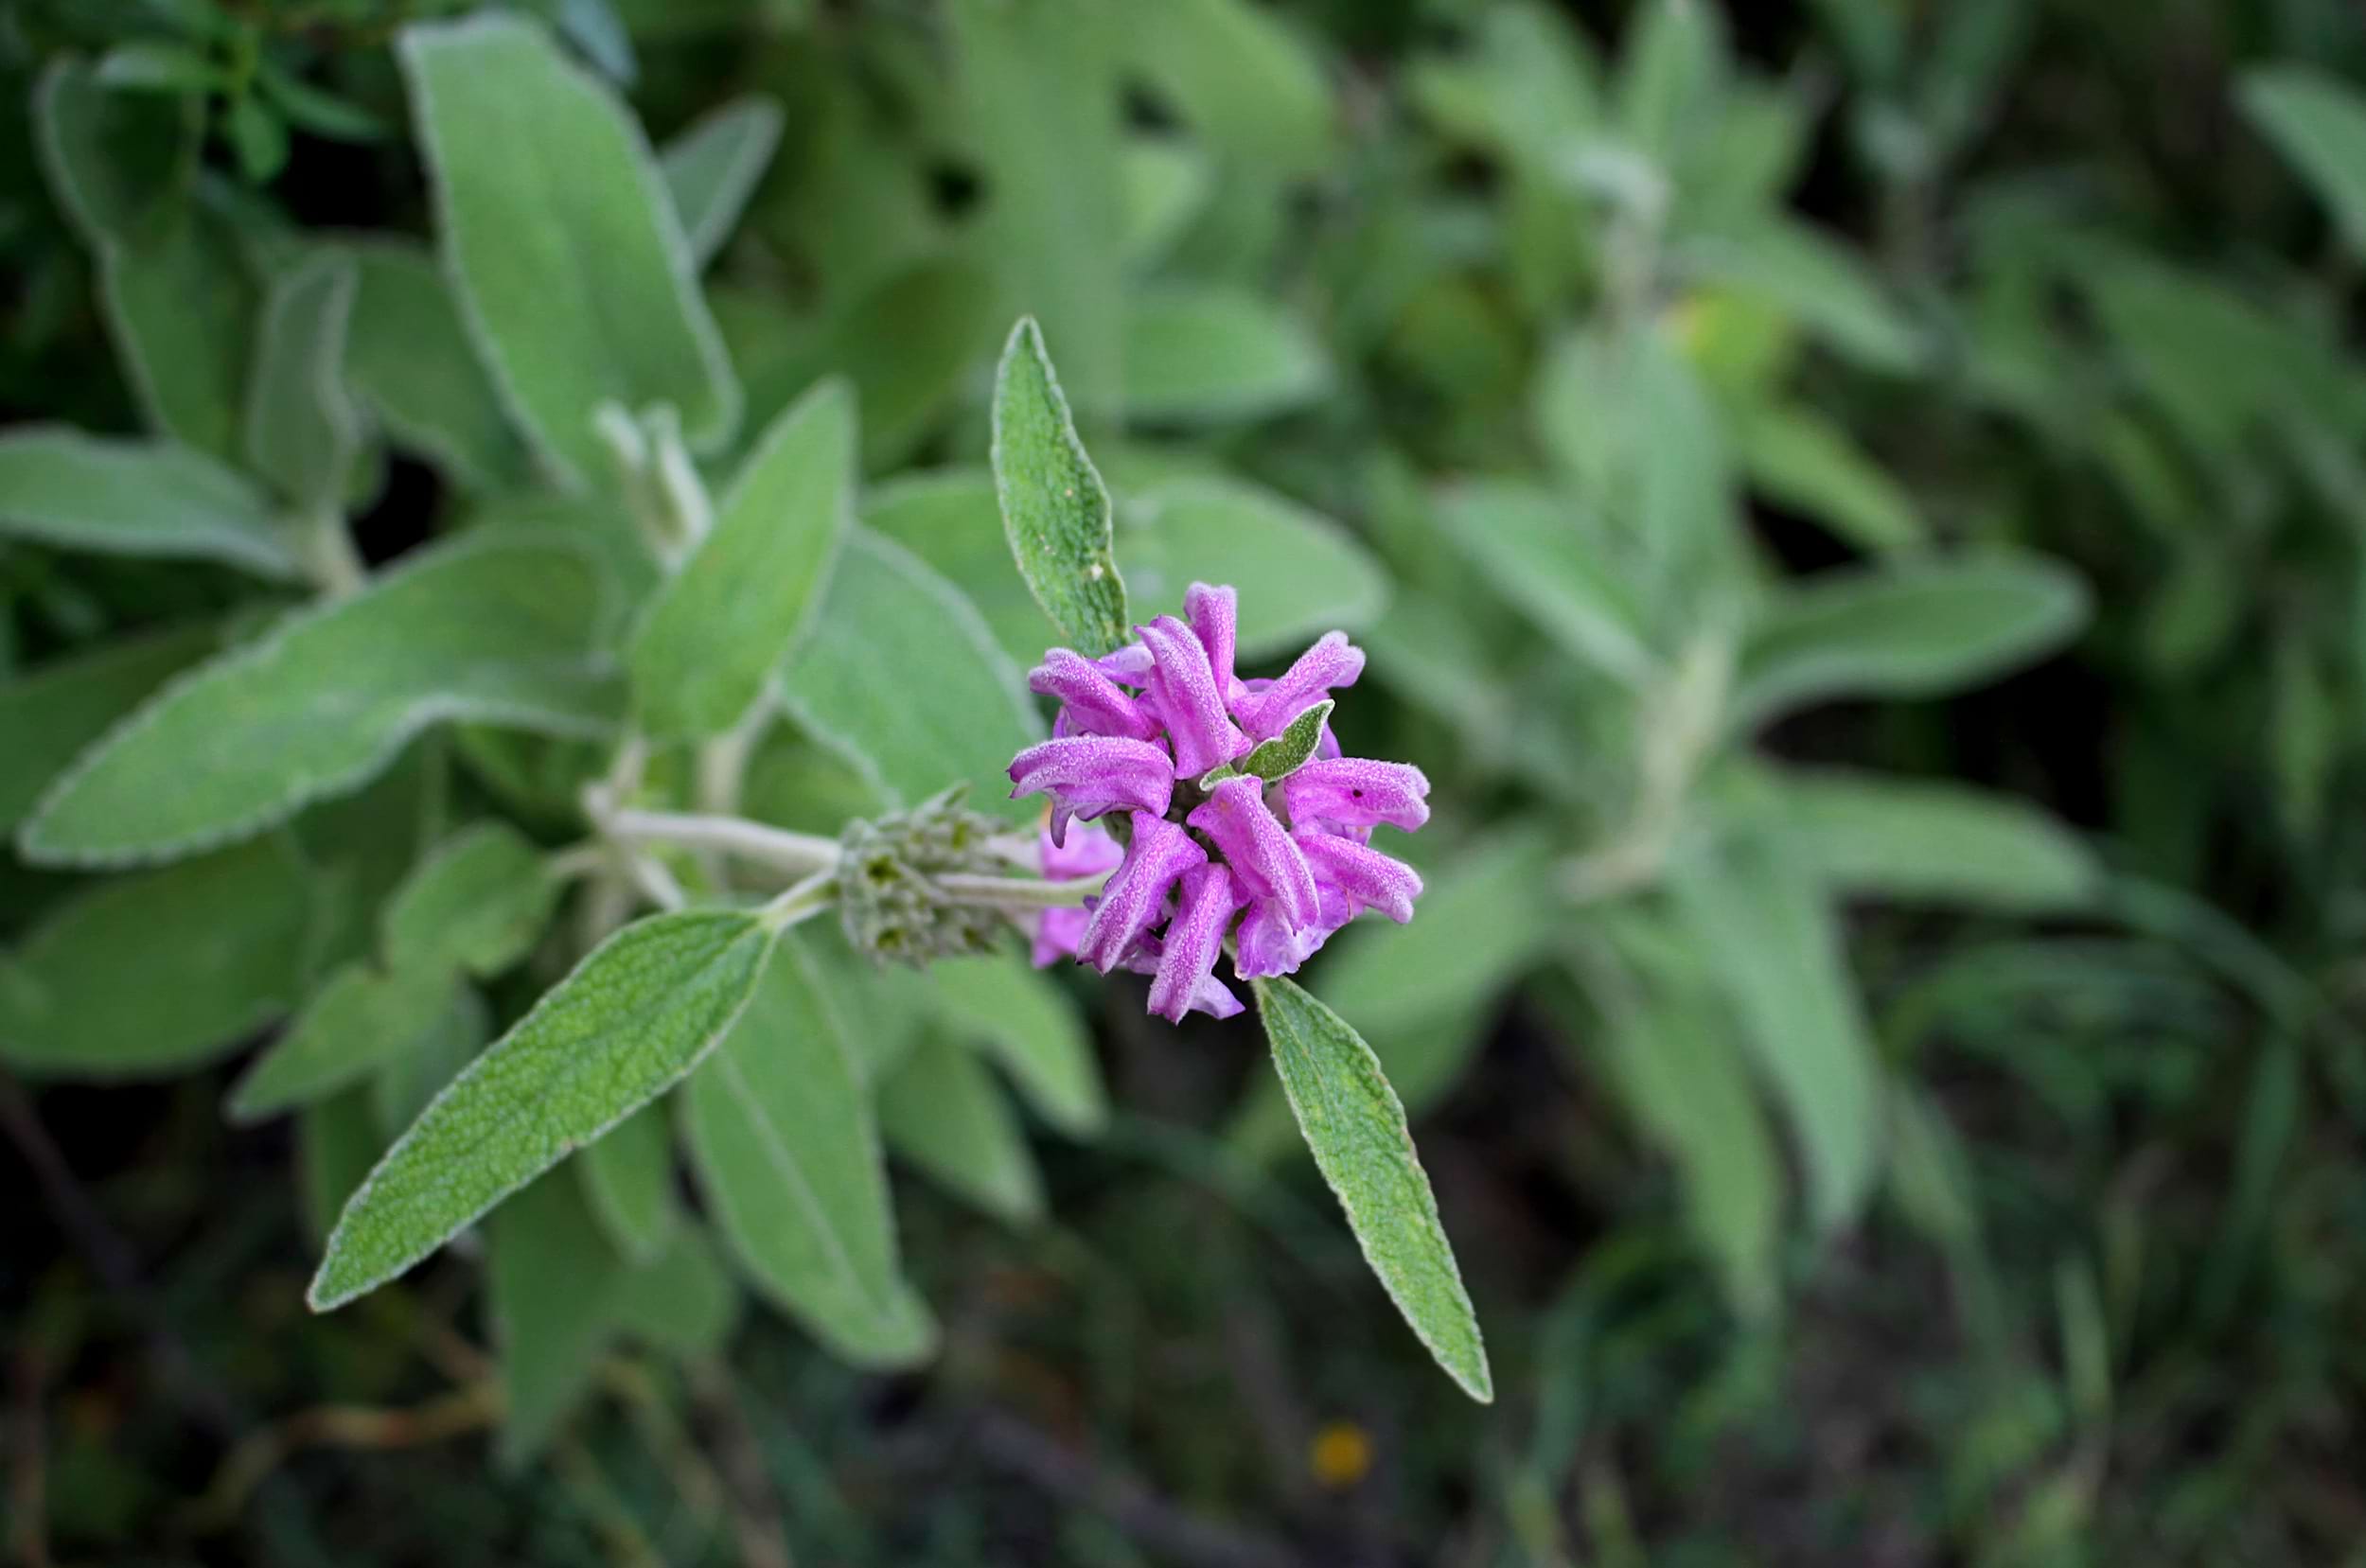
(1923, 840)
(712, 168)
(901, 676)
(721, 624)
(405, 1085)
(477, 903)
(302, 430)
(942, 1111)
(1030, 1026)
(1216, 354)
(337, 1142)
(780, 1128)
(120, 163)
(1357, 1132)
(552, 1283)
(1055, 510)
(497, 632)
(685, 1302)
(636, 1016)
(2319, 122)
(1282, 756)
(570, 261)
(408, 356)
(357, 1021)
(629, 1178)
(120, 497)
(1539, 554)
(218, 944)
(57, 708)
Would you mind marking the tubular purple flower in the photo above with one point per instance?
(1128, 666)
(1092, 704)
(1332, 661)
(1369, 879)
(1086, 853)
(1214, 614)
(1264, 858)
(1087, 775)
(1188, 954)
(1356, 792)
(1135, 897)
(1212, 996)
(1183, 690)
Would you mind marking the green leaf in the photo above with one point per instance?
(1801, 461)
(1299, 574)
(722, 623)
(901, 676)
(570, 262)
(360, 1019)
(1357, 1129)
(1055, 510)
(1239, 76)
(155, 974)
(404, 1086)
(181, 310)
(54, 709)
(636, 1016)
(950, 519)
(120, 162)
(303, 431)
(2319, 123)
(1821, 283)
(942, 1112)
(628, 1177)
(710, 169)
(1030, 1026)
(1908, 631)
(477, 903)
(336, 1144)
(408, 355)
(1542, 556)
(1767, 934)
(124, 496)
(489, 631)
(780, 1128)
(1276, 759)
(1913, 839)
(551, 1287)
(685, 1303)
(1196, 355)
(259, 136)
(1041, 111)
(150, 65)
(1166, 184)
(322, 112)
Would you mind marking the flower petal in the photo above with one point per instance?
(1358, 792)
(1263, 945)
(1214, 614)
(1332, 661)
(1128, 666)
(1058, 932)
(1369, 879)
(1089, 854)
(1264, 860)
(1093, 703)
(1087, 775)
(1183, 690)
(1136, 896)
(1188, 953)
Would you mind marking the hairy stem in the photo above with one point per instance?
(797, 853)
(1018, 892)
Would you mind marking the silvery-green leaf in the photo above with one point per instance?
(1276, 759)
(120, 497)
(942, 1112)
(477, 903)
(303, 431)
(950, 519)
(551, 1286)
(1166, 183)
(712, 166)
(181, 310)
(1299, 574)
(629, 1178)
(1357, 1129)
(900, 675)
(120, 163)
(1040, 102)
(1239, 76)
(685, 1302)
(405, 1085)
(52, 711)
(721, 624)
(1820, 283)
(1770, 939)
(1920, 840)
(780, 1128)
(337, 1142)
(572, 264)
(1907, 631)
(1205, 354)
(408, 355)
(1542, 556)
(636, 1016)
(359, 1020)
(1028, 1025)
(1799, 459)
(2319, 123)
(496, 632)
(1055, 510)
(153, 974)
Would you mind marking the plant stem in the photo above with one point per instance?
(790, 851)
(803, 901)
(1018, 892)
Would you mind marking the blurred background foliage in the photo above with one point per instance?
(1859, 506)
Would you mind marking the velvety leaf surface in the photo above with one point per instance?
(1055, 510)
(121, 497)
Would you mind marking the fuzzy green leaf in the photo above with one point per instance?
(1028, 1025)
(1299, 574)
(942, 1111)
(628, 1177)
(488, 631)
(712, 166)
(50, 712)
(477, 903)
(1542, 555)
(408, 355)
(721, 624)
(1210, 355)
(550, 1288)
(155, 974)
(2318, 122)
(302, 430)
(780, 1126)
(1357, 1129)
(1802, 461)
(357, 1021)
(405, 1083)
(1276, 759)
(1915, 839)
(570, 261)
(636, 1016)
(120, 162)
(1055, 510)
(182, 310)
(136, 498)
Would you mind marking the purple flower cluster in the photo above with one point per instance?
(1137, 731)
